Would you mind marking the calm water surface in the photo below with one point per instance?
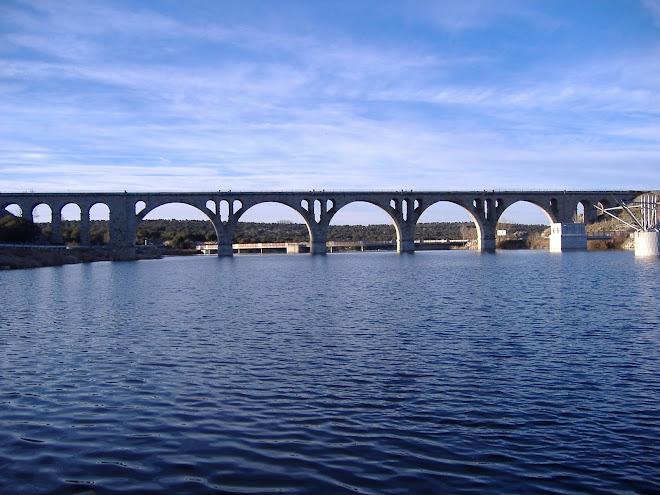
(518, 372)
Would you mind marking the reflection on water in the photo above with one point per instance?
(370, 373)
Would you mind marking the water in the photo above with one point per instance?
(519, 372)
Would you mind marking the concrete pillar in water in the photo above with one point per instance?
(647, 243)
(318, 247)
(404, 246)
(568, 237)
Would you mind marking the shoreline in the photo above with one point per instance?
(16, 257)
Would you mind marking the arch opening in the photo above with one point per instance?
(578, 215)
(42, 214)
(362, 226)
(272, 223)
(71, 215)
(224, 210)
(42, 217)
(523, 225)
(99, 224)
(14, 229)
(446, 225)
(212, 206)
(13, 209)
(175, 225)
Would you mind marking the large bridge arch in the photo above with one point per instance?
(251, 206)
(455, 210)
(354, 220)
(517, 209)
(550, 206)
(510, 235)
(146, 209)
(338, 209)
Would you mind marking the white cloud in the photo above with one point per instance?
(653, 6)
(302, 110)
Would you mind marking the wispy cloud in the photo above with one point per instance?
(653, 6)
(106, 97)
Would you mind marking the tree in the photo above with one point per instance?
(18, 230)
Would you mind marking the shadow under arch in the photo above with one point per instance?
(186, 235)
(249, 212)
(341, 211)
(458, 211)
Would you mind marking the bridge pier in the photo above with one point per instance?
(486, 244)
(568, 237)
(85, 232)
(486, 240)
(318, 247)
(56, 227)
(225, 250)
(405, 246)
(647, 244)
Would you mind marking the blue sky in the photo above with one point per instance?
(357, 95)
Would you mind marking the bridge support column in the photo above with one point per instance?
(318, 240)
(122, 230)
(405, 220)
(568, 237)
(85, 235)
(318, 247)
(225, 250)
(647, 244)
(56, 227)
(486, 242)
(406, 245)
(225, 232)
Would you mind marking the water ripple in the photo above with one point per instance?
(439, 372)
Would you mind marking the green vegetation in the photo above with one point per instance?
(17, 230)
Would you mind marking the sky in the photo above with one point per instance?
(274, 95)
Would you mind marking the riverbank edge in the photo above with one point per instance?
(14, 257)
(20, 257)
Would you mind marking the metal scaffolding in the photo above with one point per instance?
(643, 212)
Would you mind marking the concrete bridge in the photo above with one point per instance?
(317, 208)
